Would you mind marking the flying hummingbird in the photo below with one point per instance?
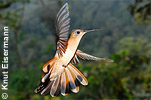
(59, 73)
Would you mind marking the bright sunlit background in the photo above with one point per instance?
(126, 39)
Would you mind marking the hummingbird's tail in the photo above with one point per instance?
(65, 83)
(70, 79)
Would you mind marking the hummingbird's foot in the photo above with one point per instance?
(63, 65)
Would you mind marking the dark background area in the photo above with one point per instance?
(126, 39)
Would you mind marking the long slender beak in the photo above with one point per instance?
(92, 30)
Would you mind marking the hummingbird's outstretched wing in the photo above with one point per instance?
(84, 56)
(62, 27)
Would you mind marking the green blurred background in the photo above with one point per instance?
(126, 39)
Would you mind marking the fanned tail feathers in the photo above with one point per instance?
(63, 84)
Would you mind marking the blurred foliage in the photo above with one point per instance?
(22, 82)
(32, 42)
(141, 11)
(128, 77)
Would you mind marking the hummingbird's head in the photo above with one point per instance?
(78, 33)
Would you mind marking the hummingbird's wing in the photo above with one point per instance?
(84, 56)
(62, 27)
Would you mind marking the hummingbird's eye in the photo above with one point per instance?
(78, 32)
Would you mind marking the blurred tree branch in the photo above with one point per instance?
(4, 6)
(141, 11)
(13, 18)
(16, 31)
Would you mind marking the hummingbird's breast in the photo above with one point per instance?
(70, 51)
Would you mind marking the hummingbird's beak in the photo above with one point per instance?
(92, 30)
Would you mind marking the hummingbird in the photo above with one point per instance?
(60, 76)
